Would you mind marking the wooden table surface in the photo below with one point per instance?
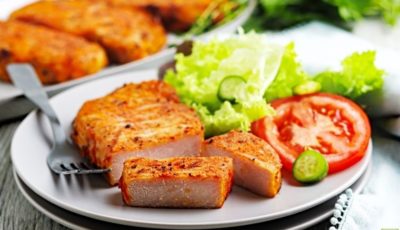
(16, 212)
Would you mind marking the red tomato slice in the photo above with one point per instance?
(331, 124)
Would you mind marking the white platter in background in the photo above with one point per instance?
(8, 91)
(91, 196)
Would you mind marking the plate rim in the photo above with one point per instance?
(180, 225)
(365, 177)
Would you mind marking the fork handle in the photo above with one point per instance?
(24, 77)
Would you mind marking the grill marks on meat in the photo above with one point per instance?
(183, 182)
(142, 120)
(127, 35)
(56, 56)
(256, 164)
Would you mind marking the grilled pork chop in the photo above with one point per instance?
(177, 15)
(127, 35)
(137, 120)
(56, 56)
(182, 182)
(256, 164)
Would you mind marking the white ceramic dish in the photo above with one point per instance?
(298, 221)
(8, 91)
(90, 196)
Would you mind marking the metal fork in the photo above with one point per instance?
(63, 158)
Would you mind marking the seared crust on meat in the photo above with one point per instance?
(248, 145)
(146, 92)
(133, 118)
(126, 35)
(177, 15)
(183, 182)
(178, 167)
(257, 165)
(56, 56)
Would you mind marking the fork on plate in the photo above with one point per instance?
(63, 158)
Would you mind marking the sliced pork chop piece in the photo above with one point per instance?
(137, 120)
(256, 164)
(182, 182)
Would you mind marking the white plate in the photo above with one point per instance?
(297, 221)
(8, 91)
(90, 196)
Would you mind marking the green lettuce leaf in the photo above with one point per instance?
(229, 116)
(359, 75)
(290, 75)
(198, 76)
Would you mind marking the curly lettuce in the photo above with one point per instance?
(198, 76)
(290, 75)
(359, 76)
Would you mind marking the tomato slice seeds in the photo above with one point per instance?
(330, 124)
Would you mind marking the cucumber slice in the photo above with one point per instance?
(231, 87)
(310, 167)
